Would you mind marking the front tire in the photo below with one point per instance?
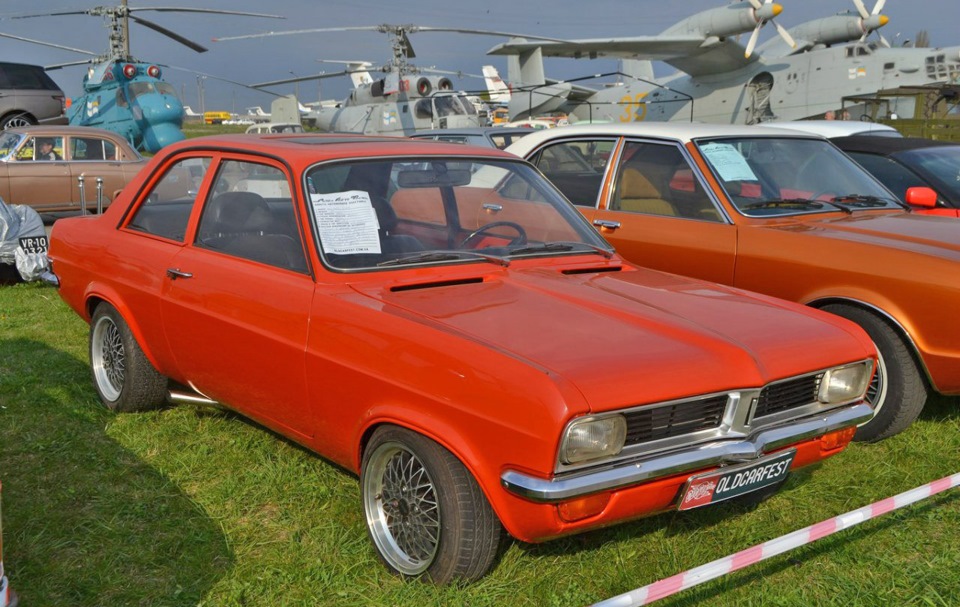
(122, 374)
(425, 512)
(898, 391)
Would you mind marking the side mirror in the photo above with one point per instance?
(921, 197)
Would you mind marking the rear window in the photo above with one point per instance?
(26, 77)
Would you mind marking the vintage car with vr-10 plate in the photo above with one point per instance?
(782, 213)
(438, 319)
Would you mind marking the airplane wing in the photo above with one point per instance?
(694, 55)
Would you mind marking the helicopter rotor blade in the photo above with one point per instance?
(386, 28)
(53, 14)
(57, 66)
(320, 76)
(170, 34)
(180, 9)
(212, 77)
(50, 44)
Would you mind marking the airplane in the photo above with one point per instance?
(803, 73)
(497, 90)
(121, 93)
(406, 99)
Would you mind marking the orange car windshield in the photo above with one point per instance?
(391, 213)
(780, 176)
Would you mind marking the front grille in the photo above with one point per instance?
(655, 423)
(788, 395)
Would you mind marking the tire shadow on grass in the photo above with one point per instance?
(86, 521)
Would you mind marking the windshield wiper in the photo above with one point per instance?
(862, 200)
(804, 203)
(443, 256)
(549, 247)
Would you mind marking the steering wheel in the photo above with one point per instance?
(521, 237)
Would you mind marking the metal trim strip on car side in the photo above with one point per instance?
(695, 458)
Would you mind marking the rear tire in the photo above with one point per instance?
(898, 391)
(425, 512)
(122, 374)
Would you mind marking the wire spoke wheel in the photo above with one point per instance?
(108, 357)
(402, 508)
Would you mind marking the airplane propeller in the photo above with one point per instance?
(764, 13)
(872, 21)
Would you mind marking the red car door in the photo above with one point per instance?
(236, 304)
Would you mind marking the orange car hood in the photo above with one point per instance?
(907, 231)
(634, 336)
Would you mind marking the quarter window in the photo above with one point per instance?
(166, 210)
(576, 168)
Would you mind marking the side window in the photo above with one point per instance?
(86, 148)
(41, 148)
(576, 168)
(896, 177)
(655, 179)
(166, 210)
(250, 215)
(110, 151)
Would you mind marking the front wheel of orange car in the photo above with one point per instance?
(898, 391)
(123, 375)
(426, 514)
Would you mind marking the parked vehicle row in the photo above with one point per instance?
(438, 319)
(780, 213)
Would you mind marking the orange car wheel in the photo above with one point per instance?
(898, 391)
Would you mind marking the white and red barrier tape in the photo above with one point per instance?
(728, 564)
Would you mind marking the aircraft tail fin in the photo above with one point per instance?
(285, 109)
(530, 94)
(497, 89)
(638, 68)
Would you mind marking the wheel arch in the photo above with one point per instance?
(99, 293)
(10, 113)
(450, 438)
(886, 317)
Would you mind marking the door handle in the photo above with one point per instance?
(605, 224)
(175, 273)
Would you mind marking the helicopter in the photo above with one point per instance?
(406, 99)
(121, 93)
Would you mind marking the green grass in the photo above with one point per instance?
(193, 506)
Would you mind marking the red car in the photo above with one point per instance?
(437, 318)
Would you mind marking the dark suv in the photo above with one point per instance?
(28, 96)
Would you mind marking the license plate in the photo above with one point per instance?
(34, 244)
(733, 481)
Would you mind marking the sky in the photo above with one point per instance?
(278, 57)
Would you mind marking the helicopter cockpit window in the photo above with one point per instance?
(165, 88)
(166, 210)
(424, 109)
(448, 105)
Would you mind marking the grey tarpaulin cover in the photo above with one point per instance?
(19, 221)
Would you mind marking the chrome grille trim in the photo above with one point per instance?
(783, 400)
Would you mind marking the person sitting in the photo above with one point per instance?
(46, 151)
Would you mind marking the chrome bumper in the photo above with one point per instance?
(696, 457)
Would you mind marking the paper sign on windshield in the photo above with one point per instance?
(728, 162)
(347, 222)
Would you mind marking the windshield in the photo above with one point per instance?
(782, 176)
(9, 143)
(392, 213)
(939, 165)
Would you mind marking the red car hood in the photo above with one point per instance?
(618, 335)
(924, 234)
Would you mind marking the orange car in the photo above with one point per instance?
(437, 318)
(780, 213)
(40, 166)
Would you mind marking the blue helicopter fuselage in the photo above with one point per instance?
(130, 99)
